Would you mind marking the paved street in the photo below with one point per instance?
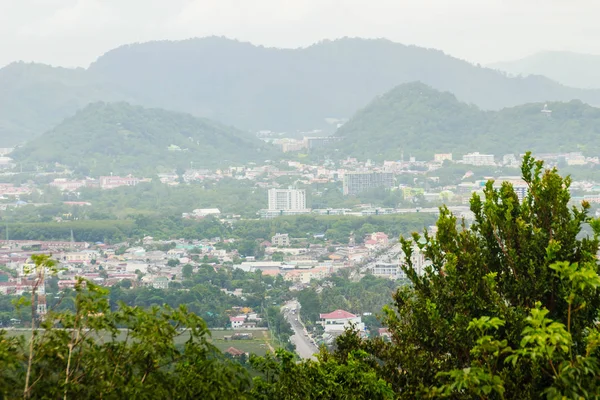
(304, 347)
(391, 254)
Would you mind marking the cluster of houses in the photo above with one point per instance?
(105, 265)
(146, 265)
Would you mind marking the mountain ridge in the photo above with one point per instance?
(122, 138)
(415, 119)
(255, 87)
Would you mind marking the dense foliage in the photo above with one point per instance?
(94, 350)
(336, 228)
(416, 120)
(365, 296)
(200, 290)
(508, 308)
(119, 138)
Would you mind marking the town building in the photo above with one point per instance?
(575, 159)
(289, 145)
(442, 157)
(160, 282)
(236, 353)
(304, 276)
(388, 270)
(280, 239)
(337, 321)
(357, 182)
(478, 159)
(67, 185)
(111, 182)
(314, 142)
(509, 160)
(519, 185)
(237, 322)
(203, 212)
(287, 199)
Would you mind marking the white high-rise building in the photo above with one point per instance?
(287, 199)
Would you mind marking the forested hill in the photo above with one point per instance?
(254, 87)
(121, 138)
(267, 88)
(36, 97)
(420, 121)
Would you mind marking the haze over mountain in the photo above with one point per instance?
(415, 120)
(282, 89)
(253, 87)
(120, 138)
(568, 68)
(36, 97)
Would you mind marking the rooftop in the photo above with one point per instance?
(337, 314)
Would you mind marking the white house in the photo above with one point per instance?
(237, 322)
(203, 212)
(338, 320)
(280, 239)
(160, 282)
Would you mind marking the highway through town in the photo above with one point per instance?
(304, 346)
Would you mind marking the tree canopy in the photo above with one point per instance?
(119, 138)
(508, 308)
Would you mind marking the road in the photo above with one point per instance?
(391, 254)
(304, 347)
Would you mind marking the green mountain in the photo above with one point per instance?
(121, 138)
(283, 89)
(415, 120)
(253, 87)
(568, 68)
(35, 97)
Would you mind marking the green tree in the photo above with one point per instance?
(187, 270)
(173, 262)
(82, 353)
(283, 378)
(508, 307)
(277, 256)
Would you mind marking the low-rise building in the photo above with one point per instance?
(478, 159)
(338, 320)
(160, 282)
(388, 270)
(442, 157)
(237, 322)
(280, 239)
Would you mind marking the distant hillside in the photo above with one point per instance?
(254, 87)
(35, 97)
(417, 120)
(571, 69)
(121, 138)
(281, 89)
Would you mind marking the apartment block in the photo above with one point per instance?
(287, 199)
(356, 182)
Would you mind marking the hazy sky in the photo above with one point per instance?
(76, 32)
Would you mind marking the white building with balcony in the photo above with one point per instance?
(337, 321)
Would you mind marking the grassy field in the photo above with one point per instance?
(258, 345)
